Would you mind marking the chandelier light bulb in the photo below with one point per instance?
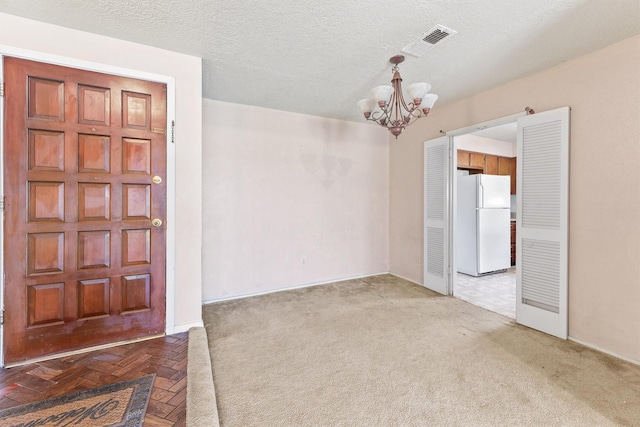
(382, 94)
(417, 91)
(367, 106)
(428, 102)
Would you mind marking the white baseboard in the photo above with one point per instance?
(185, 328)
(289, 288)
(406, 278)
(603, 350)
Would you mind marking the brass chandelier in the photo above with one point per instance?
(388, 107)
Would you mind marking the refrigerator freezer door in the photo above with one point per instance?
(466, 225)
(493, 240)
(494, 191)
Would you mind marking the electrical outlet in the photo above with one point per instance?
(418, 259)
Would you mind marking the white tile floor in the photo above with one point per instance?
(495, 292)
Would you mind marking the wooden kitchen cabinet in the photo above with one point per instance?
(470, 160)
(512, 172)
(463, 159)
(476, 160)
(507, 166)
(504, 166)
(491, 164)
(513, 243)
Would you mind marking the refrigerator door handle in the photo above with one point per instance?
(480, 195)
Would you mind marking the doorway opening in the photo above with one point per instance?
(484, 217)
(542, 207)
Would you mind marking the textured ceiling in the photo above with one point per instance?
(320, 57)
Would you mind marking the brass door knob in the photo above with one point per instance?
(157, 222)
(156, 179)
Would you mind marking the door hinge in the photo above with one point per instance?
(173, 131)
(1, 88)
(1, 203)
(2, 317)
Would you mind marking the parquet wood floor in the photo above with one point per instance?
(166, 357)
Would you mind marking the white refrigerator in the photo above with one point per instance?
(483, 229)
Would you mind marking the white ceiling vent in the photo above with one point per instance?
(428, 40)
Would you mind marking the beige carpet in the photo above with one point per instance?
(385, 352)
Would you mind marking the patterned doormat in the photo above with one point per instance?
(118, 404)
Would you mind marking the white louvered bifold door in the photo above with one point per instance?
(542, 221)
(436, 215)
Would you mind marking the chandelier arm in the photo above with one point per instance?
(396, 106)
(381, 118)
(408, 107)
(412, 121)
(415, 113)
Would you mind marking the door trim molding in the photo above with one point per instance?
(486, 124)
(171, 163)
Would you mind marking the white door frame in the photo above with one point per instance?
(453, 182)
(171, 164)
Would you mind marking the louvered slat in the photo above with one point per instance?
(541, 274)
(436, 196)
(435, 242)
(541, 176)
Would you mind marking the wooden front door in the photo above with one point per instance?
(85, 205)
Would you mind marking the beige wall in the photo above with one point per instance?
(44, 39)
(603, 91)
(290, 200)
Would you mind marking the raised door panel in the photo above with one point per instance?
(94, 249)
(93, 298)
(136, 156)
(46, 201)
(45, 304)
(94, 153)
(136, 247)
(45, 253)
(136, 292)
(136, 201)
(94, 105)
(94, 202)
(46, 99)
(46, 150)
(136, 110)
